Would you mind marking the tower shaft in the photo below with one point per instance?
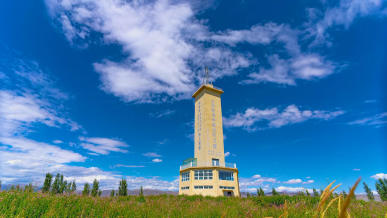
(209, 147)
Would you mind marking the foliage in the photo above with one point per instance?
(315, 193)
(28, 188)
(95, 190)
(73, 187)
(274, 192)
(33, 204)
(260, 192)
(47, 183)
(370, 195)
(59, 186)
(86, 190)
(112, 193)
(381, 188)
(123, 188)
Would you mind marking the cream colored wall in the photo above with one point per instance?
(204, 126)
(215, 182)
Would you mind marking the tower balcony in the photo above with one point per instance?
(194, 163)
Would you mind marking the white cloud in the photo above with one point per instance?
(227, 154)
(262, 34)
(161, 40)
(18, 111)
(165, 113)
(151, 154)
(300, 66)
(376, 120)
(356, 169)
(343, 15)
(379, 176)
(256, 181)
(292, 189)
(310, 181)
(103, 145)
(275, 118)
(157, 160)
(293, 181)
(57, 141)
(129, 166)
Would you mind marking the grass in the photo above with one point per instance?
(32, 204)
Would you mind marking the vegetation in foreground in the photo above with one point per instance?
(26, 203)
(58, 199)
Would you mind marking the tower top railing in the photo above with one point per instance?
(196, 164)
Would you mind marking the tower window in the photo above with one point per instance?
(185, 176)
(203, 174)
(226, 175)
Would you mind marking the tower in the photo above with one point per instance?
(208, 173)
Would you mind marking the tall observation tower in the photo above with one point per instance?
(208, 173)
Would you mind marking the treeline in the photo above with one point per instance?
(380, 185)
(60, 186)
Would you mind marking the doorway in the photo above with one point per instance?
(228, 193)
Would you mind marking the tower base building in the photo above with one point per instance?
(207, 173)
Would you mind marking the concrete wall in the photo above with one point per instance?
(208, 126)
(215, 182)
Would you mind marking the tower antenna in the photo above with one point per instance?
(206, 79)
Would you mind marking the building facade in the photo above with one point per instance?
(207, 173)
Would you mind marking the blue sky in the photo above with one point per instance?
(102, 89)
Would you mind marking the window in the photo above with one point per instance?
(184, 188)
(203, 186)
(185, 176)
(226, 175)
(203, 174)
(215, 162)
(226, 187)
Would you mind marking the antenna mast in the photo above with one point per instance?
(206, 79)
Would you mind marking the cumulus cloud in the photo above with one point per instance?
(376, 120)
(160, 40)
(103, 145)
(379, 176)
(276, 118)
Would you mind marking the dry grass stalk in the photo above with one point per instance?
(329, 204)
(343, 213)
(286, 213)
(324, 197)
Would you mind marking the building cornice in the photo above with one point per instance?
(207, 87)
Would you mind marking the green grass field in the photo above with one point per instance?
(32, 204)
